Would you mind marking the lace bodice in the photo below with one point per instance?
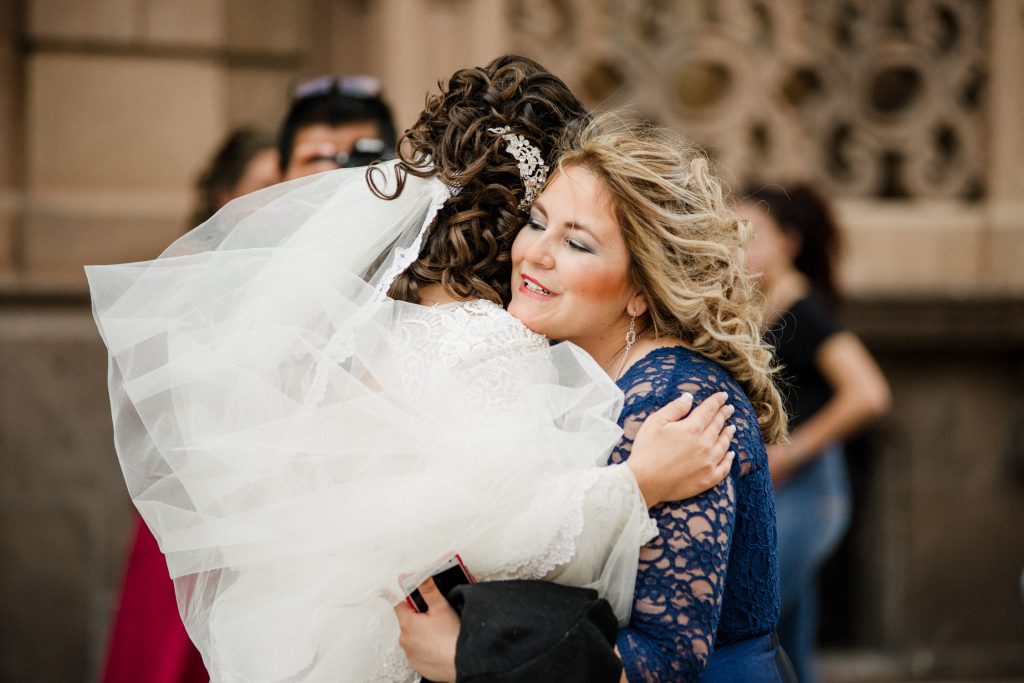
(476, 329)
(475, 336)
(686, 600)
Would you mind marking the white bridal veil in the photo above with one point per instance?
(296, 440)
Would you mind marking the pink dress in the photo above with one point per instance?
(148, 641)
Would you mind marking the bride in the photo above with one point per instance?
(318, 390)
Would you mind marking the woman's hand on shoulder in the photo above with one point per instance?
(429, 639)
(679, 453)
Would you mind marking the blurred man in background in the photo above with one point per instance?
(335, 123)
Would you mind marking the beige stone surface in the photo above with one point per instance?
(64, 515)
(140, 124)
(1005, 134)
(110, 177)
(1004, 248)
(458, 34)
(189, 23)
(62, 234)
(11, 106)
(268, 26)
(919, 248)
(11, 101)
(344, 41)
(111, 20)
(9, 225)
(258, 96)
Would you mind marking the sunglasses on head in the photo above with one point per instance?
(360, 87)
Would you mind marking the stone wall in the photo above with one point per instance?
(64, 513)
(935, 560)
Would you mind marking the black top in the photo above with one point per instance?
(797, 337)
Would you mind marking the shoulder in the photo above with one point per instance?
(815, 307)
(489, 318)
(809, 321)
(668, 371)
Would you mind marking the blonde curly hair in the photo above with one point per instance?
(686, 249)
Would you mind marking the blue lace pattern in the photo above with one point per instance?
(686, 601)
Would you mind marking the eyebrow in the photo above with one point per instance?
(575, 225)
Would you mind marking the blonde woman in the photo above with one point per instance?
(631, 253)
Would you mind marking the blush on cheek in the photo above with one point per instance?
(600, 286)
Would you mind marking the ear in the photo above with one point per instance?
(637, 304)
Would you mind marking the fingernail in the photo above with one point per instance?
(732, 454)
(687, 396)
(732, 429)
(724, 395)
(730, 409)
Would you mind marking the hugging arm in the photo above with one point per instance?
(679, 589)
(677, 452)
(681, 450)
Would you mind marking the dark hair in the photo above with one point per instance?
(333, 108)
(467, 250)
(802, 210)
(226, 168)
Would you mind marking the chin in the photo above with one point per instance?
(515, 310)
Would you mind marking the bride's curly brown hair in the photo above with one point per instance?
(467, 249)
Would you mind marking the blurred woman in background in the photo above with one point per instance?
(245, 162)
(832, 387)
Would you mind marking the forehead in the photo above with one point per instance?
(577, 195)
(343, 136)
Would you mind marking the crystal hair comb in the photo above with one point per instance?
(532, 168)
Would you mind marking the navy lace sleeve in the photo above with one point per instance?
(685, 598)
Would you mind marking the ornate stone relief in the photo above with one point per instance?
(871, 98)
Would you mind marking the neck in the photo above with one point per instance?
(603, 348)
(782, 290)
(433, 295)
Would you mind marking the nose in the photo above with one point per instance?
(539, 252)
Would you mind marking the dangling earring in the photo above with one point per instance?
(630, 335)
(623, 353)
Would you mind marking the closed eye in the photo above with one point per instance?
(535, 224)
(579, 246)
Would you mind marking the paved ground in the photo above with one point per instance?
(875, 667)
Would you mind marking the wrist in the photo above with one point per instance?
(647, 485)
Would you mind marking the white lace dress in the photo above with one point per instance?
(296, 443)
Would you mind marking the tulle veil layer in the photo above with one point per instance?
(296, 440)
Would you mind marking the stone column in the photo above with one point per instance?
(1004, 255)
(411, 44)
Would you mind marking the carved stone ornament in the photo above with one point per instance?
(869, 98)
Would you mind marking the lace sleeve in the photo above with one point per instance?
(681, 574)
(679, 589)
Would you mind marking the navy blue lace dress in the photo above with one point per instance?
(709, 581)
